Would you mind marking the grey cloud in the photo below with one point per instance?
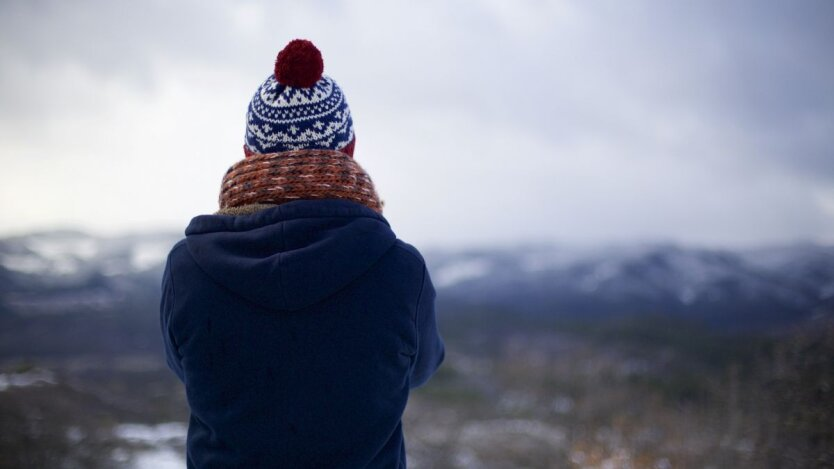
(741, 89)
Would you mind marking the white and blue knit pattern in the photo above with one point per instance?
(282, 118)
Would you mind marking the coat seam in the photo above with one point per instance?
(417, 312)
(170, 313)
(406, 249)
(180, 244)
(280, 260)
(173, 286)
(419, 297)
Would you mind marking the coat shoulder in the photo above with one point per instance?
(178, 250)
(409, 248)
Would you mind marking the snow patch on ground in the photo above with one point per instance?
(162, 433)
(161, 458)
(157, 443)
(25, 379)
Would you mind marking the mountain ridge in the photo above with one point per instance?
(50, 272)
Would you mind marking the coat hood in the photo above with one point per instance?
(292, 255)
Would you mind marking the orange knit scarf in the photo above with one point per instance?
(275, 178)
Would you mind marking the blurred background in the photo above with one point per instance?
(627, 210)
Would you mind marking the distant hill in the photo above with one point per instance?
(755, 288)
(107, 289)
(56, 272)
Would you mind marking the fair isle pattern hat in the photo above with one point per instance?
(297, 107)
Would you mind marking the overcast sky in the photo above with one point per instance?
(479, 122)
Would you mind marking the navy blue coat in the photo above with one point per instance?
(298, 331)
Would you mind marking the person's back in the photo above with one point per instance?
(295, 317)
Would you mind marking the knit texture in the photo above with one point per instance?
(282, 118)
(275, 178)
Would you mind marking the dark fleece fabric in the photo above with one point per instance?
(298, 331)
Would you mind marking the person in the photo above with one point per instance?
(296, 319)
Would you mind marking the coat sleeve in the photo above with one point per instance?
(430, 347)
(166, 306)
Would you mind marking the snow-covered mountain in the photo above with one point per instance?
(69, 271)
(66, 271)
(66, 254)
(779, 283)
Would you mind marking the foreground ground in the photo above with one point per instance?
(629, 393)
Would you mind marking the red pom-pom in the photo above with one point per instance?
(299, 64)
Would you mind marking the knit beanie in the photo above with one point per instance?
(297, 107)
(299, 141)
